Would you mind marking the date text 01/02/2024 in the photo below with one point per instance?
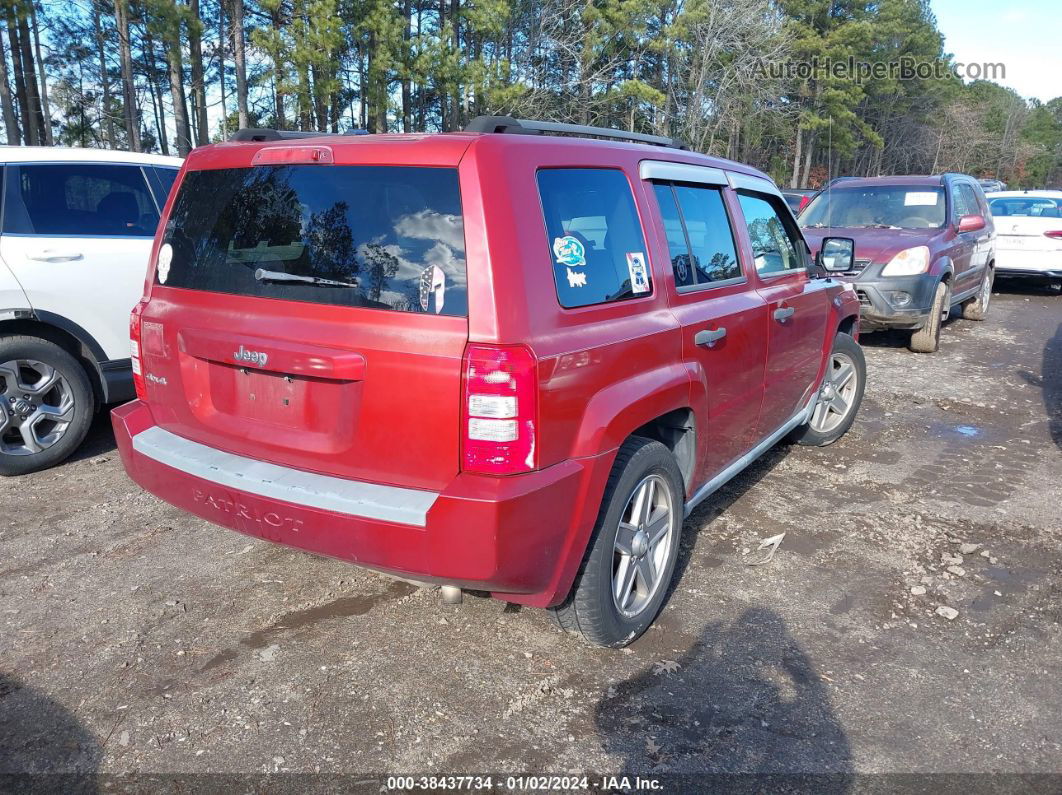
(526, 783)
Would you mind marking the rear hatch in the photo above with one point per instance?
(1028, 234)
(313, 315)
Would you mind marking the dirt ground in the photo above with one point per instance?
(136, 638)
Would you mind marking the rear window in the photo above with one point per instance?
(595, 237)
(380, 237)
(1027, 207)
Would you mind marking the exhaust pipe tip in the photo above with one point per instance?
(451, 594)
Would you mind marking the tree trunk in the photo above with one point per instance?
(407, 56)
(10, 122)
(363, 105)
(221, 70)
(33, 96)
(794, 181)
(180, 110)
(46, 112)
(132, 122)
(156, 91)
(809, 150)
(195, 53)
(455, 43)
(108, 126)
(20, 76)
(239, 55)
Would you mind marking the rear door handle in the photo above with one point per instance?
(55, 255)
(783, 314)
(709, 337)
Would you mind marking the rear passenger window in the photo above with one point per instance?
(595, 236)
(80, 199)
(700, 240)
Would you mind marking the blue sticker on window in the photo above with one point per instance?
(569, 251)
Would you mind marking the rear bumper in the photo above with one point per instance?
(521, 538)
(881, 304)
(1034, 264)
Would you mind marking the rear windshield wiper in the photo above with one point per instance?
(263, 275)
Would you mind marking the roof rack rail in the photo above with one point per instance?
(269, 134)
(507, 124)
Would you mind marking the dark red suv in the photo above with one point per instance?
(502, 361)
(923, 246)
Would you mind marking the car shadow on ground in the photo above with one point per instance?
(744, 701)
(43, 747)
(100, 439)
(1049, 382)
(1050, 385)
(698, 525)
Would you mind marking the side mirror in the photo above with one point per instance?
(971, 223)
(837, 254)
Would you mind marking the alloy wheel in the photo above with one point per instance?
(837, 395)
(643, 546)
(37, 406)
(986, 293)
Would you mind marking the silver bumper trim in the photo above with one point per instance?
(308, 489)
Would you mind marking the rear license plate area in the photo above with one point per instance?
(267, 397)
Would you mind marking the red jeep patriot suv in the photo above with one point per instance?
(496, 359)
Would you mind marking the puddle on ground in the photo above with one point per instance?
(843, 605)
(803, 544)
(1013, 580)
(1007, 581)
(339, 608)
(961, 433)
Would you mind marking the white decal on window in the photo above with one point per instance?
(164, 260)
(920, 199)
(432, 282)
(639, 275)
(576, 279)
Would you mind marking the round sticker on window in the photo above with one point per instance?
(165, 258)
(569, 251)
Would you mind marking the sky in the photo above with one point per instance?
(1024, 35)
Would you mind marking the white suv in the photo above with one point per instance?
(1028, 234)
(76, 227)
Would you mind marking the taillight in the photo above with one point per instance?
(1054, 234)
(804, 202)
(499, 415)
(134, 351)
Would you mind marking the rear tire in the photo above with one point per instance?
(47, 404)
(617, 554)
(845, 381)
(927, 338)
(976, 308)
